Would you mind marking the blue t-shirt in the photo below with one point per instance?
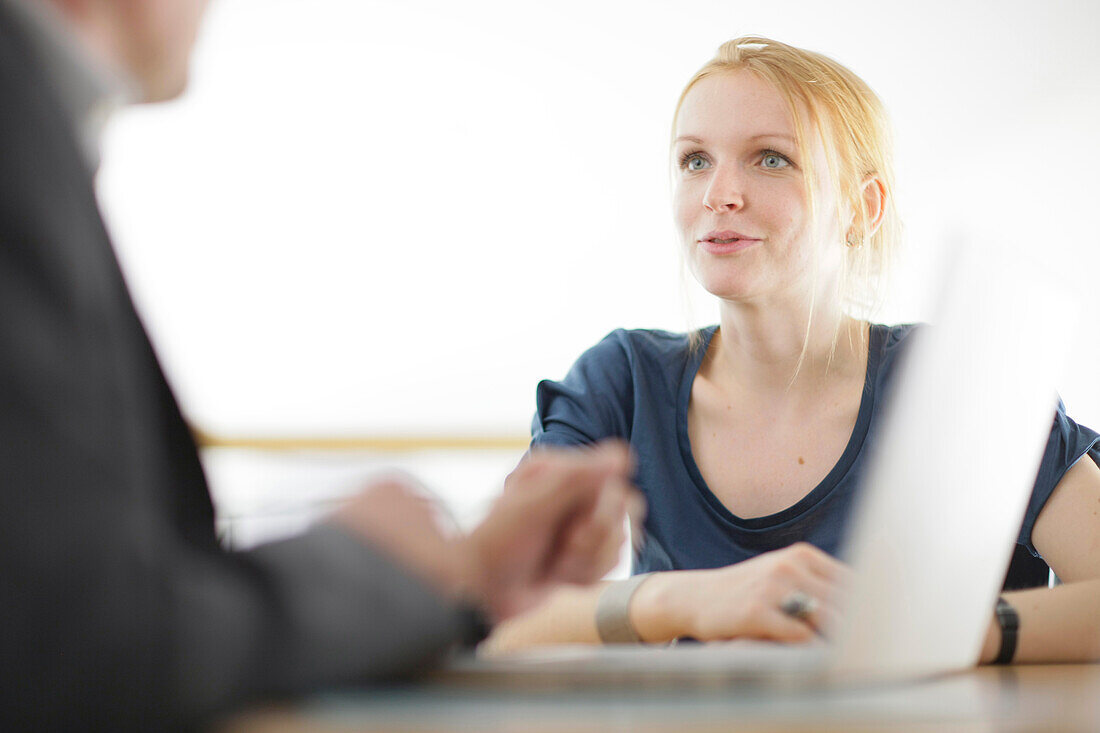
(636, 385)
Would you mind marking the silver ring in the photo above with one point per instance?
(798, 605)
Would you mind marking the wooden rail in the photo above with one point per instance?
(376, 443)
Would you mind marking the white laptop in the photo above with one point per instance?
(938, 514)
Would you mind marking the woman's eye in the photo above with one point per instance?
(774, 161)
(694, 163)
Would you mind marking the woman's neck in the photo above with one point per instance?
(786, 350)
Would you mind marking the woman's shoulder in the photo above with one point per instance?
(890, 341)
(651, 344)
(888, 344)
(598, 396)
(892, 336)
(659, 340)
(626, 353)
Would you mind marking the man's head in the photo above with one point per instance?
(149, 39)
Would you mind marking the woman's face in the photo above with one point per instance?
(740, 200)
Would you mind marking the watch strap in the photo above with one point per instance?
(1009, 621)
(613, 611)
(474, 625)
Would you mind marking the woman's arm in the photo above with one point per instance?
(741, 600)
(568, 616)
(1062, 624)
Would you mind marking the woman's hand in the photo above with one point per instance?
(745, 600)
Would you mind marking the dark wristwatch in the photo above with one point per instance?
(475, 625)
(1009, 621)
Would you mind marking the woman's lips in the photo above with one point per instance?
(726, 242)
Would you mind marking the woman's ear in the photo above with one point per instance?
(874, 204)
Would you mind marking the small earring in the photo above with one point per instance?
(854, 244)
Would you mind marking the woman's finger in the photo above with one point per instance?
(779, 626)
(818, 561)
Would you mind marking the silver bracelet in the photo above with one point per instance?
(613, 611)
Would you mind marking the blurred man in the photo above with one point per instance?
(120, 610)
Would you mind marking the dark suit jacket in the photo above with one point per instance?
(118, 608)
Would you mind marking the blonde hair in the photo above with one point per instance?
(855, 130)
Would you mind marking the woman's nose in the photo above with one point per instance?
(724, 192)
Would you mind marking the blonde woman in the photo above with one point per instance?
(751, 435)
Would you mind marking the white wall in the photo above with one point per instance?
(384, 215)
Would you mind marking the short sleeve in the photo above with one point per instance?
(1068, 443)
(594, 401)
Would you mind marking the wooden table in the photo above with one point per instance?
(1024, 698)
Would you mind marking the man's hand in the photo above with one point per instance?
(399, 516)
(559, 520)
